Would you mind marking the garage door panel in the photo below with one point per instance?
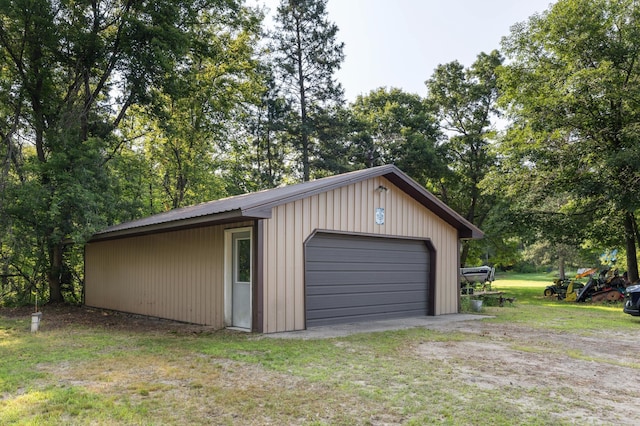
(365, 265)
(333, 254)
(355, 289)
(362, 313)
(354, 242)
(399, 248)
(364, 277)
(376, 300)
(369, 310)
(357, 278)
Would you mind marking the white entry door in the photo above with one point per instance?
(241, 273)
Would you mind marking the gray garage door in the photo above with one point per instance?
(356, 278)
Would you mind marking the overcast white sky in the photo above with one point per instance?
(398, 43)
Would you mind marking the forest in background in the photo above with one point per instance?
(112, 110)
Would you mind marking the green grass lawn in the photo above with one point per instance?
(534, 309)
(97, 375)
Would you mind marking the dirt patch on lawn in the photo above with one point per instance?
(579, 372)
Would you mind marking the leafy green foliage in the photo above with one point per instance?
(185, 129)
(465, 103)
(572, 87)
(394, 127)
(71, 72)
(262, 163)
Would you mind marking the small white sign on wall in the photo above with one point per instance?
(380, 216)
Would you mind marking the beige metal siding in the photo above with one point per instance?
(176, 275)
(348, 209)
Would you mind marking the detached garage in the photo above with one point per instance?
(360, 246)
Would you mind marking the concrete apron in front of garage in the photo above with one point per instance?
(439, 322)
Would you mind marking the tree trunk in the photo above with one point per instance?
(630, 240)
(55, 268)
(464, 253)
(561, 267)
(304, 119)
(271, 178)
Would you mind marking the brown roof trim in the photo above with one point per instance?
(258, 205)
(129, 231)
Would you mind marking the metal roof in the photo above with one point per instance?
(258, 205)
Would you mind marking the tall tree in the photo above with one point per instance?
(191, 119)
(573, 88)
(307, 54)
(71, 71)
(259, 161)
(394, 127)
(465, 100)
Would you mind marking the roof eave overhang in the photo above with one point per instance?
(470, 234)
(176, 225)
